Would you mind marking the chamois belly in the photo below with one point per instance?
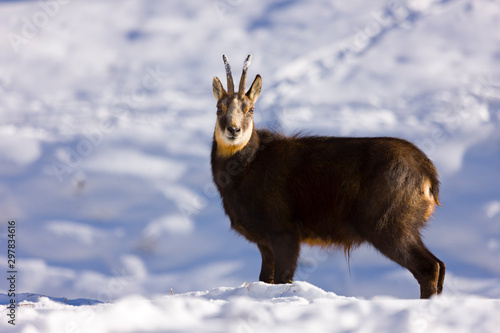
(327, 220)
(331, 233)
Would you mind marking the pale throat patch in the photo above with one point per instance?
(227, 147)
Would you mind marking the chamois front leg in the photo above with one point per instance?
(267, 269)
(286, 247)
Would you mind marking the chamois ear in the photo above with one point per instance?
(254, 91)
(219, 91)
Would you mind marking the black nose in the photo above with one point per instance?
(233, 130)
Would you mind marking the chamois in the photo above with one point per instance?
(281, 191)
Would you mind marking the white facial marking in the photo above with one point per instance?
(240, 139)
(230, 143)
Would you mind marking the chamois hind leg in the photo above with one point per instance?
(412, 254)
(267, 269)
(442, 269)
(425, 268)
(286, 247)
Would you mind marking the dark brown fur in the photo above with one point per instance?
(280, 192)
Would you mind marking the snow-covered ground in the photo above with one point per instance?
(106, 120)
(258, 307)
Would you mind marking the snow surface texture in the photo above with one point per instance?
(259, 307)
(107, 117)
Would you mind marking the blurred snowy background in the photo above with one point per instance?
(107, 116)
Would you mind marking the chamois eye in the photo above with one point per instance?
(251, 110)
(219, 110)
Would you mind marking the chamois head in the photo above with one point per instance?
(234, 126)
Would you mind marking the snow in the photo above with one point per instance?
(259, 307)
(107, 117)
